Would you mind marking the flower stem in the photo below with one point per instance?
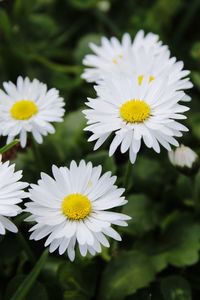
(26, 248)
(127, 175)
(9, 146)
(36, 154)
(30, 279)
(195, 194)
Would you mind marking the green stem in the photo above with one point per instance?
(75, 69)
(36, 154)
(9, 146)
(127, 175)
(26, 248)
(23, 290)
(107, 22)
(186, 20)
(195, 194)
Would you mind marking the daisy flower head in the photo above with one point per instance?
(149, 112)
(150, 42)
(143, 63)
(29, 107)
(184, 159)
(113, 56)
(71, 208)
(11, 193)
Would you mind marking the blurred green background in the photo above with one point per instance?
(158, 258)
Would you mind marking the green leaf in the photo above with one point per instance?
(145, 294)
(194, 122)
(37, 291)
(22, 8)
(125, 274)
(5, 24)
(28, 282)
(196, 51)
(196, 79)
(73, 280)
(83, 45)
(143, 212)
(181, 241)
(148, 175)
(43, 25)
(175, 288)
(102, 158)
(80, 4)
(74, 295)
(183, 188)
(9, 249)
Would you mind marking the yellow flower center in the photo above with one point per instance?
(141, 77)
(135, 111)
(76, 206)
(23, 110)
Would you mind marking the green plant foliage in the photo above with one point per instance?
(183, 241)
(127, 273)
(144, 215)
(38, 290)
(158, 258)
(71, 278)
(175, 288)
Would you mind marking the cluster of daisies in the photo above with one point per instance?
(140, 97)
(140, 94)
(72, 206)
(68, 208)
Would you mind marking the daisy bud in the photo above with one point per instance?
(185, 160)
(103, 6)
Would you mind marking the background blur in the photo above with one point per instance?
(158, 258)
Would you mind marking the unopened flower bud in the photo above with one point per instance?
(185, 160)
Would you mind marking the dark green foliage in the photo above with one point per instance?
(158, 258)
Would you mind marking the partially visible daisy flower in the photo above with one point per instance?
(106, 58)
(150, 42)
(184, 158)
(111, 55)
(11, 193)
(135, 113)
(71, 209)
(144, 64)
(29, 107)
(145, 57)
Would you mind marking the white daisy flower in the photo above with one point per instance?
(11, 193)
(145, 57)
(183, 157)
(29, 107)
(72, 208)
(111, 55)
(134, 113)
(150, 42)
(143, 63)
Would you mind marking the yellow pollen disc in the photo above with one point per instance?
(76, 206)
(151, 78)
(23, 110)
(135, 111)
(141, 77)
